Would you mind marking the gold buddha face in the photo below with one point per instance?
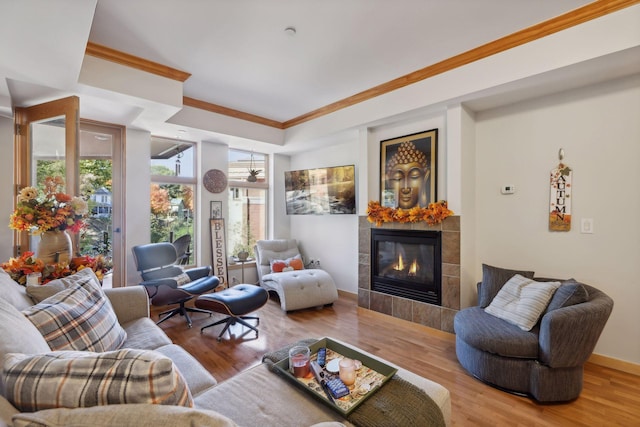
(407, 175)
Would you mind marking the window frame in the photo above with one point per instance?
(244, 184)
(183, 180)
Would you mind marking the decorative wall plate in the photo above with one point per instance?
(215, 181)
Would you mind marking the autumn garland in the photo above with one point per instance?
(434, 214)
(20, 267)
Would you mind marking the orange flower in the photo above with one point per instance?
(53, 210)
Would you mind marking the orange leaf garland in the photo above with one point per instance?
(435, 213)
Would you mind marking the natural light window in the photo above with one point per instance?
(247, 222)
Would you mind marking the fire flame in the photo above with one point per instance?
(400, 265)
(414, 268)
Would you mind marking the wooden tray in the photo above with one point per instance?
(373, 371)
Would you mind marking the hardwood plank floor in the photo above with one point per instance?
(609, 397)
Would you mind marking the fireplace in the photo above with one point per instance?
(407, 263)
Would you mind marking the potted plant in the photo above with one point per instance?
(242, 252)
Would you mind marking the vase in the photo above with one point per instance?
(54, 246)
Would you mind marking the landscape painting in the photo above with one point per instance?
(321, 191)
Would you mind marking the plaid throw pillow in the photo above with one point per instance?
(78, 318)
(72, 379)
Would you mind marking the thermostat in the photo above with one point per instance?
(508, 189)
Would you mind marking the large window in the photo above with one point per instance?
(173, 193)
(247, 222)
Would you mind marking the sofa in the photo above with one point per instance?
(540, 347)
(101, 386)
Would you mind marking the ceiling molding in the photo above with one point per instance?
(112, 55)
(214, 108)
(567, 20)
(575, 17)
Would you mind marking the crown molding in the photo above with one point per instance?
(575, 17)
(112, 55)
(219, 109)
(562, 22)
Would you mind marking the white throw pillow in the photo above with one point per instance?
(521, 301)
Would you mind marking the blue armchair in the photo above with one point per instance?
(167, 283)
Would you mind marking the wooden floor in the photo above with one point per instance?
(609, 397)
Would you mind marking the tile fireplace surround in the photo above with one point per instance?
(437, 317)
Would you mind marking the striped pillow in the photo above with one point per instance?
(521, 301)
(78, 318)
(72, 379)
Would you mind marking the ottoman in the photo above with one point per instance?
(235, 302)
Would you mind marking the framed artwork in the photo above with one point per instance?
(321, 191)
(216, 210)
(409, 170)
(219, 250)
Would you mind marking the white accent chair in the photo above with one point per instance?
(296, 289)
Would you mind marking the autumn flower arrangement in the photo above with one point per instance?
(19, 268)
(52, 210)
(435, 213)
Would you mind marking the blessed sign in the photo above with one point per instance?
(219, 250)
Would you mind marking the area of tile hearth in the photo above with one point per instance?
(437, 317)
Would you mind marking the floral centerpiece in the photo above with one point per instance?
(21, 267)
(52, 210)
(435, 213)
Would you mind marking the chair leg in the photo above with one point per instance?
(170, 314)
(232, 320)
(199, 310)
(182, 310)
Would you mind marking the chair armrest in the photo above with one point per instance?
(568, 335)
(198, 272)
(129, 303)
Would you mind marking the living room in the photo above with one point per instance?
(502, 121)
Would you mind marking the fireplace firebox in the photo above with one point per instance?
(407, 263)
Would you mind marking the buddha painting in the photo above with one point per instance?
(408, 171)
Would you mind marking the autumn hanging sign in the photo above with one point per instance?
(560, 198)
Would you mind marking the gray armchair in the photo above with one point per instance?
(167, 283)
(546, 362)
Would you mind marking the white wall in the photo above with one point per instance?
(137, 197)
(333, 239)
(6, 191)
(599, 130)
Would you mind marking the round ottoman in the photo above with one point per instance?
(235, 302)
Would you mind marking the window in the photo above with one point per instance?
(173, 192)
(247, 222)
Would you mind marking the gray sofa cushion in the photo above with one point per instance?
(569, 293)
(198, 379)
(493, 278)
(143, 333)
(494, 335)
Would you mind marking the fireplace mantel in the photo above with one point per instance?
(434, 316)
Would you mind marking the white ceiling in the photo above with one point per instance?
(238, 53)
(240, 56)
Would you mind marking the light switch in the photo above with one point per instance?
(586, 226)
(508, 189)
